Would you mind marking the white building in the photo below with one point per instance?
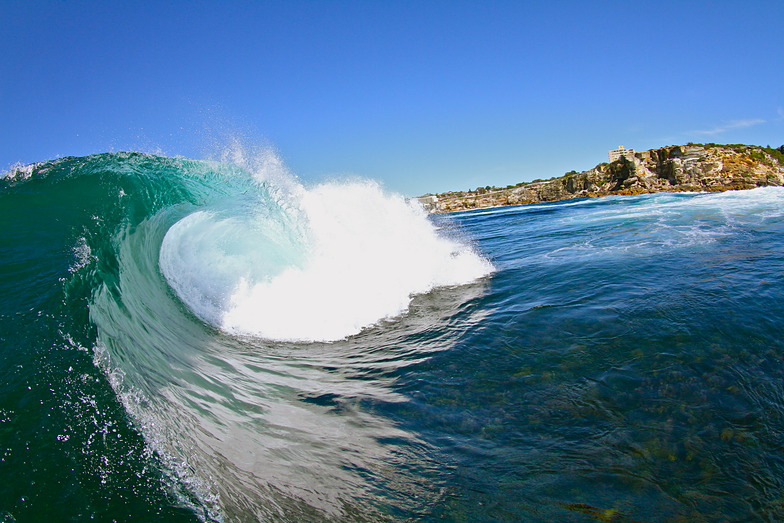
(429, 202)
(621, 151)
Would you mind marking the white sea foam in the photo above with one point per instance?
(83, 254)
(326, 263)
(370, 253)
(19, 171)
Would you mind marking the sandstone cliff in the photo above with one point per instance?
(692, 167)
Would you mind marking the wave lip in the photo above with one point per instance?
(339, 259)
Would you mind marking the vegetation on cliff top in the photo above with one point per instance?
(754, 151)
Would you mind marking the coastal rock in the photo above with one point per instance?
(677, 168)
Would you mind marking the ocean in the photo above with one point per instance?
(187, 340)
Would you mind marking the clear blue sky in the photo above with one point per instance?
(425, 96)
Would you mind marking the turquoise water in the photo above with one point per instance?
(185, 340)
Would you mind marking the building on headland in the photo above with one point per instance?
(621, 151)
(428, 202)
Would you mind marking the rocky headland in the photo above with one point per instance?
(677, 168)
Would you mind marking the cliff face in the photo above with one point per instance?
(677, 168)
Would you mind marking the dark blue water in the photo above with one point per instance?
(619, 361)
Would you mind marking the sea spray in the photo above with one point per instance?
(310, 264)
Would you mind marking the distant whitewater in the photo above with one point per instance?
(213, 340)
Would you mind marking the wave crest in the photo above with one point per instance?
(312, 264)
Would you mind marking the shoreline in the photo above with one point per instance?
(679, 168)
